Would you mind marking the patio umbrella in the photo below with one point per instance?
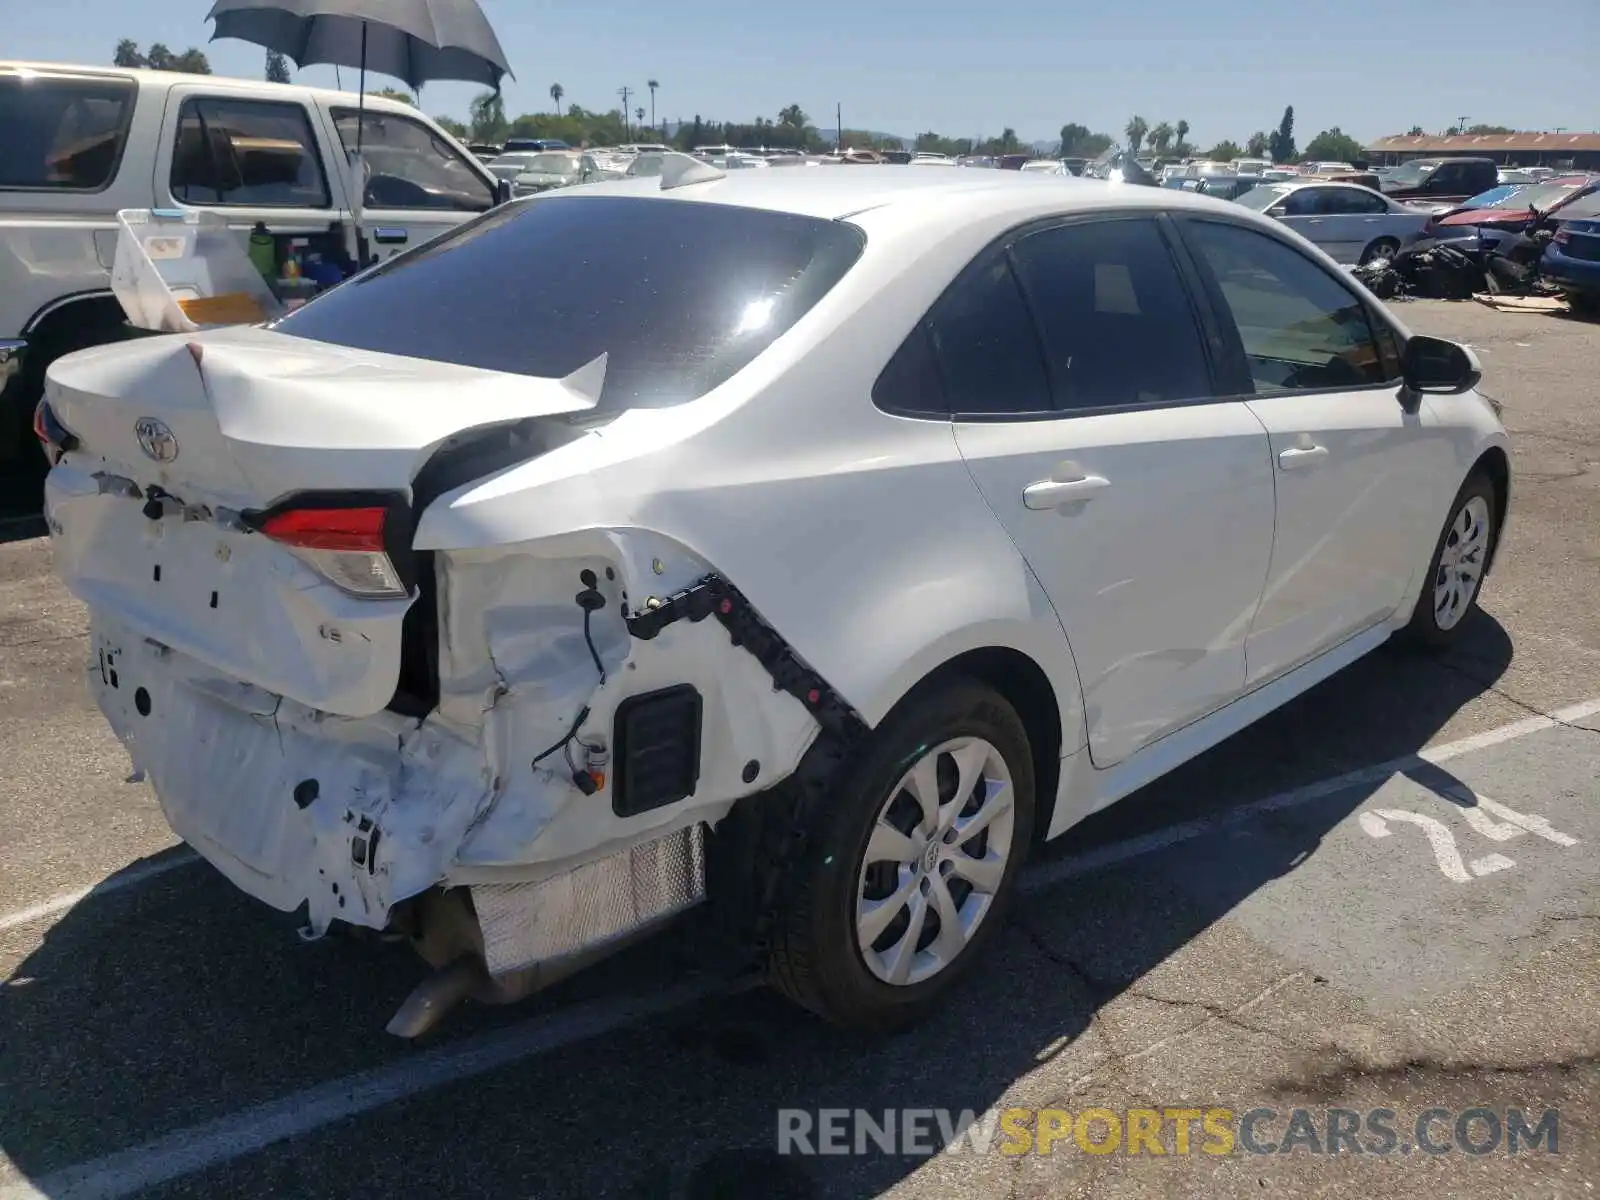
(414, 40)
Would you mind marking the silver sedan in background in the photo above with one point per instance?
(1350, 223)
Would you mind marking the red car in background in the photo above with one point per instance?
(1513, 212)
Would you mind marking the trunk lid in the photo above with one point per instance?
(185, 448)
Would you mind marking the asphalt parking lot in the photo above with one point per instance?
(1384, 896)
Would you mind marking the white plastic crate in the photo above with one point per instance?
(179, 271)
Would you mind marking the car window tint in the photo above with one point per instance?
(410, 166)
(62, 134)
(1352, 200)
(679, 295)
(1303, 202)
(1116, 320)
(1300, 326)
(247, 152)
(987, 348)
(911, 383)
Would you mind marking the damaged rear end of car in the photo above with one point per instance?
(503, 737)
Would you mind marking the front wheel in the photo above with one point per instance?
(912, 864)
(1382, 248)
(1455, 574)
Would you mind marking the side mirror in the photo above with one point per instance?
(1434, 366)
(502, 191)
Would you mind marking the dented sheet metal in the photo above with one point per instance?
(351, 816)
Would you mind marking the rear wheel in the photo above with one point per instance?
(912, 864)
(1455, 573)
(1382, 248)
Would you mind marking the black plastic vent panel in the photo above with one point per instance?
(657, 742)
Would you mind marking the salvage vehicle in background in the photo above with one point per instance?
(1440, 181)
(80, 143)
(1572, 262)
(1514, 209)
(800, 541)
(1350, 223)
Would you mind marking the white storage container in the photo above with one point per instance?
(179, 271)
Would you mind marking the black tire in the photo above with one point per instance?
(812, 951)
(1584, 304)
(1384, 247)
(1425, 630)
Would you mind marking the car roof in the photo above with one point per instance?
(837, 192)
(145, 77)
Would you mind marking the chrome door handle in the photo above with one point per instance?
(391, 237)
(1301, 456)
(1052, 493)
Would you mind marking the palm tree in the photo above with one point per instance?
(1161, 138)
(556, 92)
(1183, 134)
(652, 85)
(1135, 129)
(639, 114)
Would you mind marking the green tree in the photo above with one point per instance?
(1281, 144)
(486, 117)
(1334, 145)
(277, 67)
(159, 57)
(1415, 131)
(454, 128)
(1161, 138)
(652, 84)
(1489, 129)
(1183, 149)
(192, 62)
(1136, 128)
(1256, 147)
(1226, 151)
(395, 94)
(556, 92)
(127, 54)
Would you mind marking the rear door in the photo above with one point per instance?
(1076, 367)
(417, 184)
(1358, 477)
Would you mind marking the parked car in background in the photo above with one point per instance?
(1045, 166)
(1349, 223)
(1511, 175)
(1075, 166)
(1517, 208)
(534, 144)
(1441, 181)
(1572, 262)
(1013, 162)
(1325, 168)
(509, 166)
(485, 151)
(552, 169)
(1250, 166)
(77, 144)
(1041, 492)
(1224, 187)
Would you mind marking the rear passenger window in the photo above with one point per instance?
(986, 345)
(1115, 316)
(246, 152)
(62, 134)
(910, 384)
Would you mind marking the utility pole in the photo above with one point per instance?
(1461, 124)
(627, 130)
(838, 126)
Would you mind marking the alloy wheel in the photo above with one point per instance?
(935, 859)
(1461, 563)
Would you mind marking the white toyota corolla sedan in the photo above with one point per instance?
(806, 546)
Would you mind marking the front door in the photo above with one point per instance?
(1357, 475)
(417, 185)
(1079, 380)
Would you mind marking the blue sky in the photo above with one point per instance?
(962, 69)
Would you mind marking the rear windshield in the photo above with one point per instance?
(680, 294)
(61, 133)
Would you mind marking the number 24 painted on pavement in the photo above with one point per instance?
(1480, 813)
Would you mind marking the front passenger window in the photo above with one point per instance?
(1301, 328)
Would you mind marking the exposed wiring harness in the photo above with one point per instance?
(591, 601)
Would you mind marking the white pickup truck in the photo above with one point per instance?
(79, 143)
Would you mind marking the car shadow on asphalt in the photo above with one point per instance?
(157, 1007)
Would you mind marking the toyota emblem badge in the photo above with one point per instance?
(155, 439)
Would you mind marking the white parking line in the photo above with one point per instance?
(133, 875)
(202, 1147)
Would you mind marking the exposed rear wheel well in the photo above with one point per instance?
(1027, 688)
(1496, 468)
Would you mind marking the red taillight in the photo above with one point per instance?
(348, 545)
(346, 529)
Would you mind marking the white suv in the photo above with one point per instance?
(79, 143)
